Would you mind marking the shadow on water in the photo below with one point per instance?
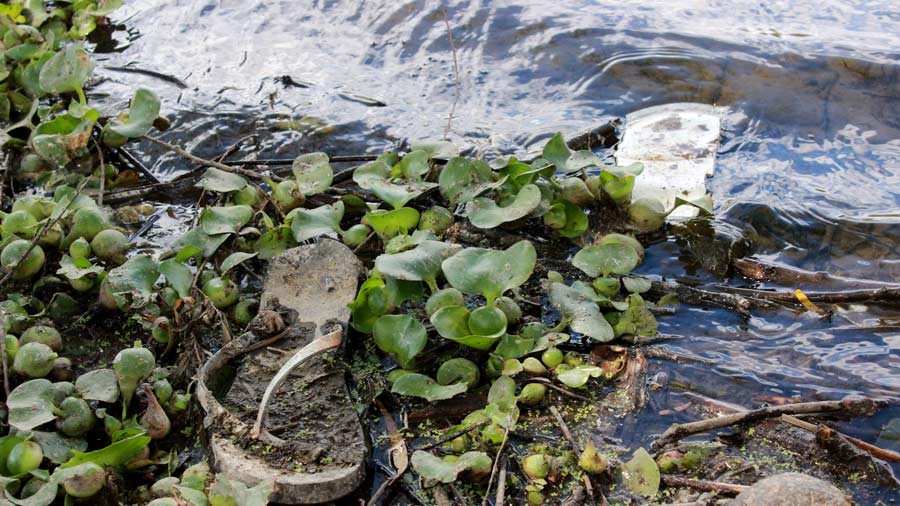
(808, 171)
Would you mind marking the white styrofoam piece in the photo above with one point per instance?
(677, 144)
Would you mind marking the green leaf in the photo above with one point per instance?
(485, 213)
(636, 320)
(114, 455)
(463, 179)
(77, 268)
(581, 311)
(371, 302)
(313, 173)
(704, 203)
(576, 220)
(400, 335)
(439, 150)
(135, 280)
(557, 152)
(415, 165)
(637, 285)
(580, 160)
(578, 376)
(224, 220)
(618, 182)
(419, 385)
(219, 181)
(606, 259)
(375, 176)
(198, 240)
(274, 242)
(503, 393)
(63, 138)
(437, 469)
(235, 259)
(512, 346)
(388, 224)
(422, 263)
(641, 474)
(451, 322)
(58, 448)
(67, 70)
(31, 404)
(142, 113)
(194, 497)
(98, 385)
(225, 492)
(178, 275)
(309, 223)
(490, 272)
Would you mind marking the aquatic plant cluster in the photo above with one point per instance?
(72, 429)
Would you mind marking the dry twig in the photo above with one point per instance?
(851, 406)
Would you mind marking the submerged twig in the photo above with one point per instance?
(875, 451)
(784, 274)
(589, 487)
(501, 484)
(453, 436)
(851, 405)
(211, 163)
(487, 492)
(703, 485)
(884, 295)
(549, 384)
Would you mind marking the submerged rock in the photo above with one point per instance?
(792, 489)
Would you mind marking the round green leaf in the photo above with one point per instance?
(309, 223)
(143, 112)
(485, 213)
(387, 224)
(98, 385)
(313, 173)
(224, 220)
(216, 180)
(419, 385)
(641, 474)
(422, 263)
(606, 259)
(67, 70)
(578, 376)
(582, 312)
(463, 179)
(437, 469)
(400, 335)
(31, 404)
(490, 272)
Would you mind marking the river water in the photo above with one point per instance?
(808, 168)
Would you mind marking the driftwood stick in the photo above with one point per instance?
(453, 436)
(889, 295)
(783, 274)
(547, 383)
(703, 485)
(210, 163)
(487, 492)
(873, 450)
(564, 428)
(501, 484)
(851, 405)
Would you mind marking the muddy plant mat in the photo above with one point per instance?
(313, 445)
